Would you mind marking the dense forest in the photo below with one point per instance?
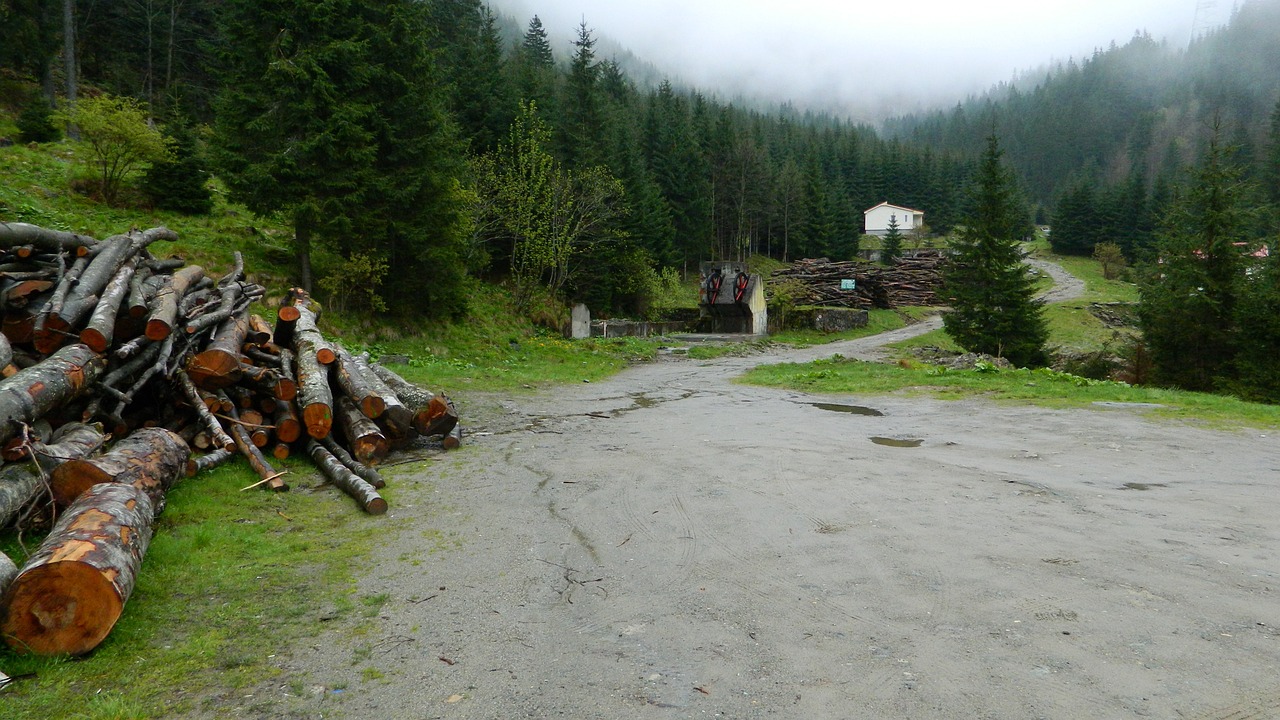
(1103, 141)
(629, 179)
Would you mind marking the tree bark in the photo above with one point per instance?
(150, 459)
(345, 480)
(432, 415)
(70, 594)
(53, 382)
(8, 571)
(218, 365)
(54, 241)
(102, 323)
(84, 296)
(367, 443)
(163, 315)
(314, 395)
(356, 385)
(256, 459)
(209, 460)
(20, 483)
(371, 476)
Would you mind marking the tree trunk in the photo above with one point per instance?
(72, 591)
(432, 415)
(314, 395)
(367, 443)
(20, 483)
(82, 298)
(353, 382)
(102, 323)
(218, 366)
(51, 241)
(371, 476)
(164, 306)
(69, 57)
(302, 248)
(150, 459)
(345, 480)
(53, 382)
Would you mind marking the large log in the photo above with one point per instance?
(356, 385)
(432, 414)
(345, 480)
(20, 483)
(98, 333)
(218, 365)
(314, 394)
(73, 589)
(364, 437)
(307, 339)
(371, 476)
(164, 306)
(83, 297)
(150, 459)
(54, 241)
(395, 417)
(55, 381)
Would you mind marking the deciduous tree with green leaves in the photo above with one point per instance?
(991, 293)
(120, 139)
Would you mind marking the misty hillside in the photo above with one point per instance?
(1143, 108)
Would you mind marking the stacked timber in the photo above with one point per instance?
(908, 281)
(102, 341)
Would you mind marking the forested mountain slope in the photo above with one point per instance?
(1143, 108)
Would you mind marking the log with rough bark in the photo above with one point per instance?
(396, 418)
(82, 298)
(453, 440)
(345, 480)
(270, 477)
(432, 414)
(208, 461)
(218, 365)
(352, 380)
(53, 382)
(150, 459)
(364, 437)
(20, 483)
(172, 289)
(53, 241)
(288, 428)
(101, 327)
(371, 476)
(314, 395)
(307, 339)
(8, 571)
(286, 322)
(70, 593)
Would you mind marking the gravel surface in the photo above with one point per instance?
(670, 544)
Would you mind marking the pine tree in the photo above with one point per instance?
(582, 121)
(992, 296)
(180, 183)
(1189, 296)
(891, 248)
(329, 116)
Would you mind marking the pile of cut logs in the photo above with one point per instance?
(104, 342)
(909, 281)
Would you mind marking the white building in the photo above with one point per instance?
(876, 220)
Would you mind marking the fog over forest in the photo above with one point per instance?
(862, 60)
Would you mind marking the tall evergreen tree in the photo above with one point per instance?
(329, 115)
(991, 293)
(582, 118)
(891, 248)
(1188, 312)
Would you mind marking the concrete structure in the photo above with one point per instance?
(731, 299)
(875, 221)
(580, 322)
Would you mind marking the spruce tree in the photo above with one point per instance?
(330, 116)
(891, 248)
(992, 294)
(180, 183)
(1189, 295)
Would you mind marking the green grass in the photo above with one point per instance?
(1039, 387)
(230, 579)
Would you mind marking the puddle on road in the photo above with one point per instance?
(898, 442)
(851, 409)
(1142, 486)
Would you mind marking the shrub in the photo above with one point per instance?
(35, 122)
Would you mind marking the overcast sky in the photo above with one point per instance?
(868, 59)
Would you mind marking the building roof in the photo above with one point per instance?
(887, 204)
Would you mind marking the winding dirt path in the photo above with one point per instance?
(670, 544)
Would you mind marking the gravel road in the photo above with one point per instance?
(670, 544)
